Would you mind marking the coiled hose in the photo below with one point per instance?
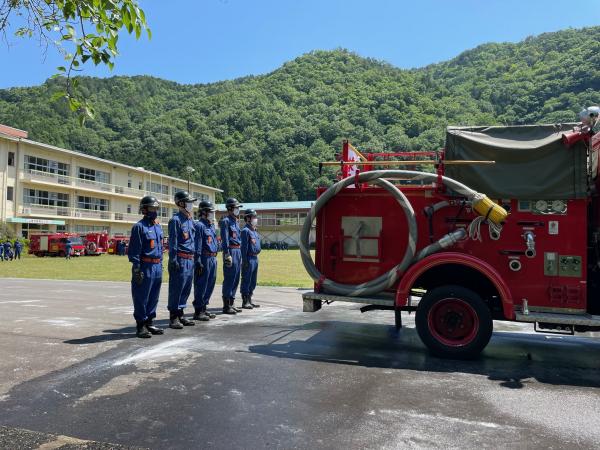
(379, 177)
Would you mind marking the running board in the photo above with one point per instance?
(564, 319)
(313, 301)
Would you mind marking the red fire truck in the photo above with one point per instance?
(434, 243)
(53, 244)
(114, 241)
(96, 243)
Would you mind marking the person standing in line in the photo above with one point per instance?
(205, 274)
(250, 251)
(146, 255)
(8, 254)
(232, 256)
(1, 251)
(68, 248)
(181, 259)
(18, 249)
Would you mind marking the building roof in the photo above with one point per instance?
(273, 206)
(14, 136)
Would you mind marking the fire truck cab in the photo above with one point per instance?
(406, 240)
(53, 244)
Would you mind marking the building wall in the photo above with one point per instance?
(84, 192)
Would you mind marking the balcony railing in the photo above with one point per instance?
(76, 213)
(74, 182)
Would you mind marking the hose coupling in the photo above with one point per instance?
(530, 242)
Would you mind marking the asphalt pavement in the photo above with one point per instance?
(73, 375)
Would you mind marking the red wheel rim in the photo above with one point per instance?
(453, 322)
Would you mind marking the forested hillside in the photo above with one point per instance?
(260, 138)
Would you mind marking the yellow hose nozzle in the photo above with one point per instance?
(489, 209)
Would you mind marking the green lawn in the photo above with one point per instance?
(277, 268)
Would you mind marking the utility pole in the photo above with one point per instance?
(189, 170)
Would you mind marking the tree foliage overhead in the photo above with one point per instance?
(261, 138)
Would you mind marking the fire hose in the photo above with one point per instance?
(494, 213)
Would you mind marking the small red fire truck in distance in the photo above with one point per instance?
(434, 243)
(114, 241)
(53, 244)
(96, 243)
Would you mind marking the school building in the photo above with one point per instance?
(47, 188)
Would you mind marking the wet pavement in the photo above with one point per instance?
(71, 372)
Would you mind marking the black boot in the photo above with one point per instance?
(174, 321)
(235, 308)
(227, 309)
(254, 305)
(142, 331)
(200, 314)
(152, 329)
(185, 322)
(246, 302)
(209, 314)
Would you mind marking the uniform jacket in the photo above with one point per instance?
(182, 234)
(146, 241)
(250, 242)
(230, 233)
(206, 238)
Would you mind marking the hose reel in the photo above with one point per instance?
(480, 203)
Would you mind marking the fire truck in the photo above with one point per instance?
(53, 244)
(113, 242)
(96, 243)
(432, 241)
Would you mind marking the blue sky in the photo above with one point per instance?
(200, 41)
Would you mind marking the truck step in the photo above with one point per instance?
(565, 319)
(313, 300)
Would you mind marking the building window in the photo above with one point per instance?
(89, 228)
(128, 183)
(11, 159)
(157, 188)
(45, 165)
(164, 211)
(9, 193)
(45, 198)
(61, 228)
(92, 203)
(128, 209)
(140, 186)
(94, 175)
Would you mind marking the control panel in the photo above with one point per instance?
(562, 265)
(543, 206)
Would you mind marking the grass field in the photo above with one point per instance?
(277, 268)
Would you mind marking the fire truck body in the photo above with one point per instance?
(540, 267)
(96, 243)
(54, 244)
(114, 241)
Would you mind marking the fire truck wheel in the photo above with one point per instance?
(454, 322)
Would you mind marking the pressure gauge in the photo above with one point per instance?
(559, 206)
(541, 205)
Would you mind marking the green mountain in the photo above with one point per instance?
(261, 138)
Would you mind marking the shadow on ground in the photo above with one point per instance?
(510, 358)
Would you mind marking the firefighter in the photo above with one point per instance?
(232, 256)
(181, 259)
(68, 249)
(205, 274)
(250, 251)
(18, 248)
(145, 255)
(8, 254)
(1, 252)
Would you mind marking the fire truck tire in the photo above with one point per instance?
(454, 322)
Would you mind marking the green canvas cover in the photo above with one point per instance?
(531, 161)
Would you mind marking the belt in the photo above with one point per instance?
(234, 246)
(252, 254)
(208, 254)
(185, 255)
(151, 260)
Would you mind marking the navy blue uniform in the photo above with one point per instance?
(68, 249)
(207, 247)
(146, 252)
(181, 251)
(231, 242)
(1, 252)
(250, 251)
(8, 251)
(18, 248)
